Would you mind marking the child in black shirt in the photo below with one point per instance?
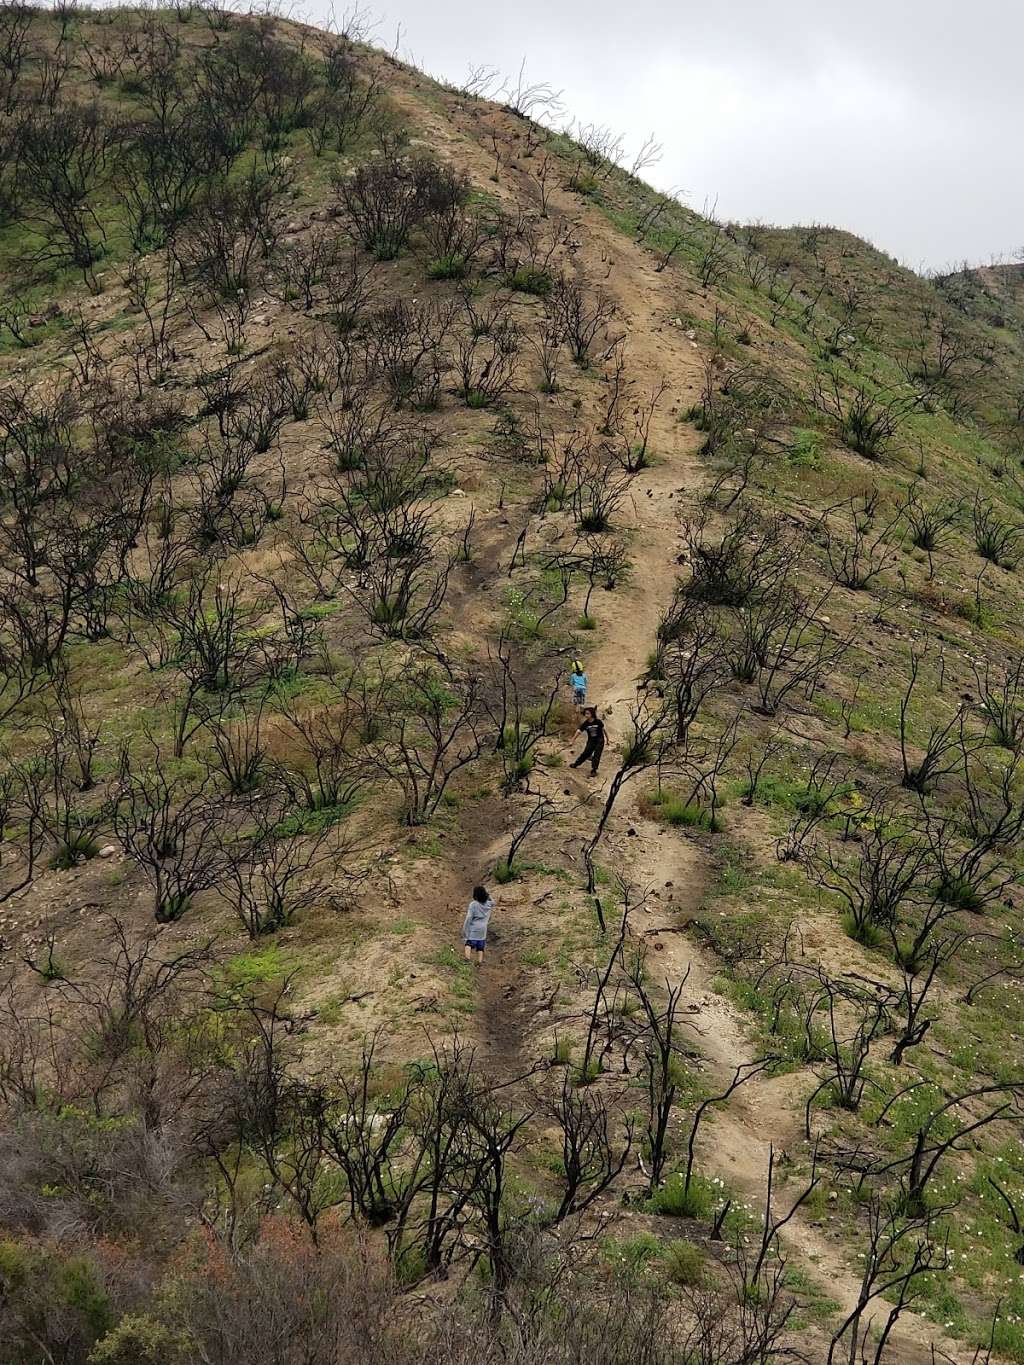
(593, 728)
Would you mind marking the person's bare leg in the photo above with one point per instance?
(480, 958)
(467, 953)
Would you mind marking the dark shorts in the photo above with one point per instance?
(477, 944)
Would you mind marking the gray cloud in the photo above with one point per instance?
(897, 119)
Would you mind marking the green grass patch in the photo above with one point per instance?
(258, 967)
(534, 957)
(529, 280)
(795, 796)
(462, 981)
(685, 1264)
(805, 449)
(307, 821)
(402, 927)
(674, 810)
(450, 267)
(814, 1304)
(674, 1200)
(629, 1255)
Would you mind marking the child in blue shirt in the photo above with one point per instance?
(578, 683)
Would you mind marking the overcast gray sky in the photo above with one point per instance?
(898, 119)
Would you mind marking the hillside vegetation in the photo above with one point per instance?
(340, 410)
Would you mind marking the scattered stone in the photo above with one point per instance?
(107, 851)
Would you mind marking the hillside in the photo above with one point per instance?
(340, 411)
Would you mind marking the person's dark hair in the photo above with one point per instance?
(590, 711)
(480, 895)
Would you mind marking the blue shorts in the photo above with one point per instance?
(477, 944)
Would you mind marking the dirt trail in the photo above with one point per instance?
(628, 617)
(766, 1113)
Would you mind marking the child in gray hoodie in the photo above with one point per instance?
(474, 929)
